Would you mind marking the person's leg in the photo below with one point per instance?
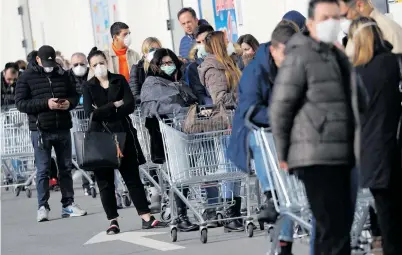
(42, 153)
(183, 221)
(333, 215)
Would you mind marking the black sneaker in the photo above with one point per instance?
(153, 223)
(113, 228)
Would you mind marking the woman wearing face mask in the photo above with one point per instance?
(160, 96)
(139, 71)
(108, 98)
(380, 154)
(249, 46)
(220, 75)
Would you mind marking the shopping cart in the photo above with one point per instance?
(80, 123)
(193, 160)
(17, 155)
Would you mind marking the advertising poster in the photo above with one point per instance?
(101, 23)
(225, 18)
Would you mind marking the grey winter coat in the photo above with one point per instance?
(212, 76)
(311, 109)
(160, 97)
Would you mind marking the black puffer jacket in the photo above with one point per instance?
(311, 109)
(78, 81)
(137, 78)
(34, 89)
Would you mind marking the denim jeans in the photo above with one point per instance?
(287, 229)
(230, 189)
(61, 142)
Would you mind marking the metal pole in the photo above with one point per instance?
(23, 11)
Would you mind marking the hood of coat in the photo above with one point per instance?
(209, 62)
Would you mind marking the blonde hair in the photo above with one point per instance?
(215, 44)
(364, 40)
(146, 46)
(193, 52)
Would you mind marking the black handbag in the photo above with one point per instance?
(98, 150)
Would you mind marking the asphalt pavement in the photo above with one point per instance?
(22, 235)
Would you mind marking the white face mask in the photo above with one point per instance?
(48, 69)
(127, 40)
(345, 25)
(80, 70)
(100, 71)
(150, 56)
(230, 49)
(328, 30)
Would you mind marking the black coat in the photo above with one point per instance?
(7, 93)
(78, 81)
(379, 153)
(117, 119)
(34, 89)
(137, 78)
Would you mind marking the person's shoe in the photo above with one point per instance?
(43, 214)
(232, 212)
(72, 210)
(153, 223)
(286, 248)
(113, 228)
(86, 191)
(268, 213)
(185, 225)
(210, 215)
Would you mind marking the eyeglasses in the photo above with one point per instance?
(168, 63)
(79, 64)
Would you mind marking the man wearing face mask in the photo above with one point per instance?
(191, 75)
(8, 78)
(313, 124)
(352, 9)
(79, 72)
(120, 57)
(46, 94)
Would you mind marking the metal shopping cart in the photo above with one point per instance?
(193, 160)
(17, 154)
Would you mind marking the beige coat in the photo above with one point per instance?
(391, 30)
(113, 61)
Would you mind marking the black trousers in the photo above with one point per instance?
(389, 212)
(130, 172)
(329, 193)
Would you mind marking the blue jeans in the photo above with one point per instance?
(287, 229)
(43, 143)
(230, 189)
(354, 190)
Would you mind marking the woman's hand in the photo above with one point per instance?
(117, 104)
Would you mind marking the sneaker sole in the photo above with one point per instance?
(73, 215)
(43, 220)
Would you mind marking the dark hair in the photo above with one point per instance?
(283, 32)
(313, 4)
(157, 61)
(21, 64)
(13, 66)
(32, 56)
(95, 52)
(250, 40)
(202, 29)
(116, 28)
(187, 9)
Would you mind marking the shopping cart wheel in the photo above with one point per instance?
(250, 230)
(262, 227)
(17, 191)
(126, 200)
(93, 192)
(220, 219)
(28, 192)
(165, 214)
(204, 235)
(173, 234)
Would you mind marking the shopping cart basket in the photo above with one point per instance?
(195, 159)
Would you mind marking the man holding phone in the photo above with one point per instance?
(46, 94)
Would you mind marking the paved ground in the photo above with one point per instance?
(22, 235)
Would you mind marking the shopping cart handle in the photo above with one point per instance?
(249, 120)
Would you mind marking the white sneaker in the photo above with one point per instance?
(43, 214)
(72, 210)
(86, 192)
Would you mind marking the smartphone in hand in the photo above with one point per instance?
(60, 101)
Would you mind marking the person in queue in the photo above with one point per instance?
(379, 72)
(392, 31)
(22, 66)
(9, 78)
(139, 71)
(119, 56)
(160, 98)
(220, 75)
(254, 90)
(46, 94)
(313, 124)
(107, 97)
(249, 46)
(191, 73)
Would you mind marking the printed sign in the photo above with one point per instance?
(225, 18)
(101, 23)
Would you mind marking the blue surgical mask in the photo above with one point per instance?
(201, 52)
(169, 70)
